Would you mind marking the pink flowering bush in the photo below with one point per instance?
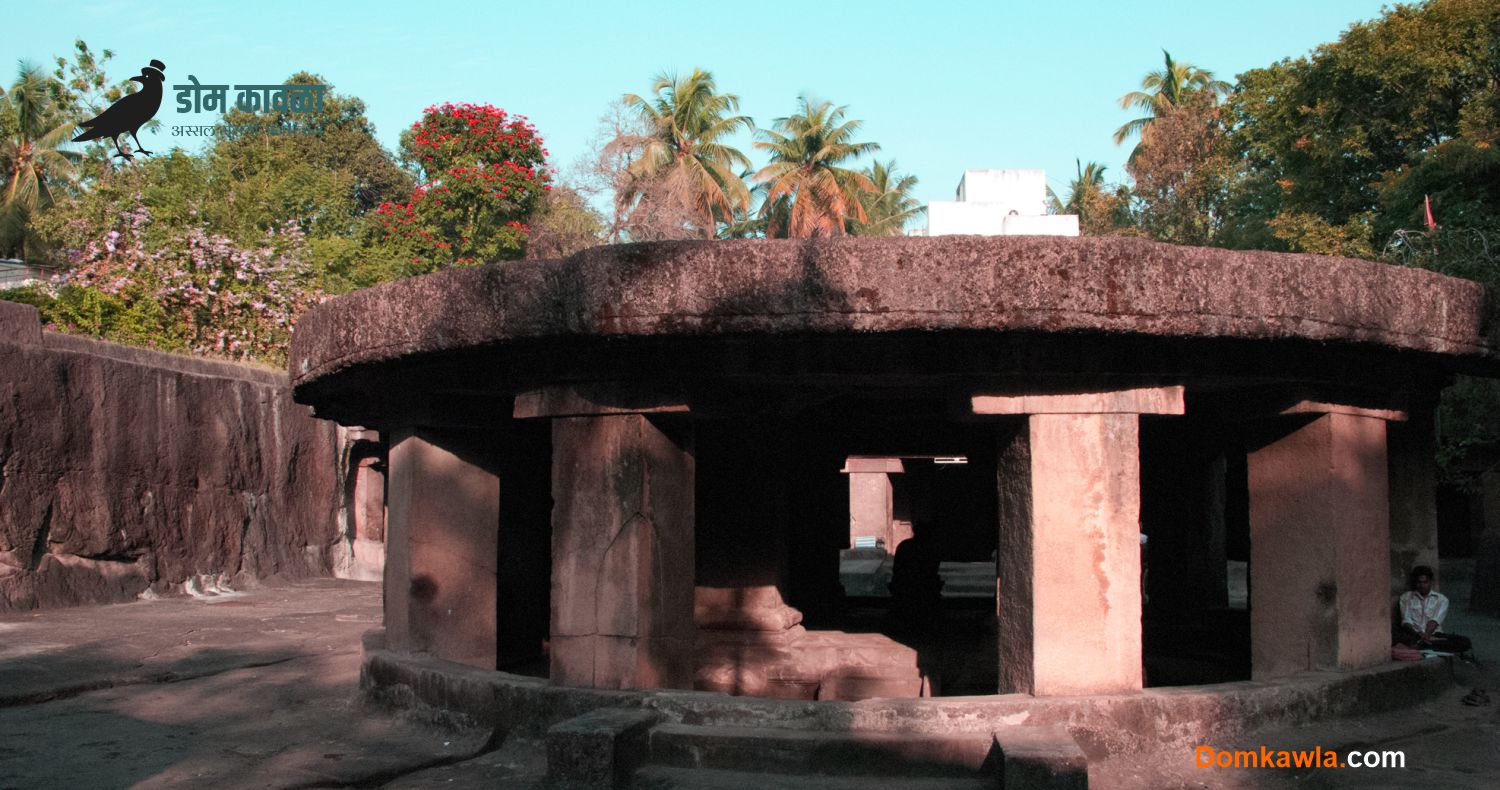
(199, 293)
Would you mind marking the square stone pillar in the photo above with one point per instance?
(441, 545)
(871, 503)
(1320, 555)
(1069, 572)
(1412, 446)
(622, 551)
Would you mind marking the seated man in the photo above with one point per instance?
(1422, 613)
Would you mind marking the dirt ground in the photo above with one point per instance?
(259, 690)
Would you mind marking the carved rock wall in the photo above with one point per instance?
(124, 470)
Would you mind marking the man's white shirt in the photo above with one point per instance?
(1416, 609)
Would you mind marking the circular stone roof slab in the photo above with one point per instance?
(864, 285)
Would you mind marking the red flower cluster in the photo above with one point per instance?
(455, 135)
(485, 174)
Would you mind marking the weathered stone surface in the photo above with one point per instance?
(601, 747)
(1102, 725)
(1112, 285)
(1143, 400)
(1040, 758)
(19, 324)
(870, 508)
(882, 754)
(1069, 601)
(1319, 547)
(622, 539)
(443, 535)
(123, 470)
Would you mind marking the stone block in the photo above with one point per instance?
(19, 323)
(622, 549)
(1143, 400)
(1069, 601)
(1319, 546)
(442, 545)
(870, 507)
(1040, 758)
(601, 748)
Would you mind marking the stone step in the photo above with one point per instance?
(660, 777)
(816, 752)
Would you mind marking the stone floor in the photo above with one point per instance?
(258, 690)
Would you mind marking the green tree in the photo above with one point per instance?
(323, 169)
(565, 224)
(33, 161)
(808, 192)
(84, 91)
(484, 175)
(890, 205)
(684, 166)
(1162, 90)
(1088, 182)
(1100, 209)
(1327, 141)
(1180, 171)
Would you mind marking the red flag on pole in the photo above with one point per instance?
(1431, 223)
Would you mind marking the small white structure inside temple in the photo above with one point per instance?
(999, 203)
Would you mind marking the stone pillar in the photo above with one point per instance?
(622, 548)
(441, 543)
(1412, 447)
(1484, 591)
(1319, 543)
(1069, 597)
(870, 500)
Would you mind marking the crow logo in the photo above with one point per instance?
(130, 113)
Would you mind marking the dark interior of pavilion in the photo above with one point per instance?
(773, 508)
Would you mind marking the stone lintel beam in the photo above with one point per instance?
(860, 465)
(1262, 404)
(1139, 400)
(596, 399)
(1324, 407)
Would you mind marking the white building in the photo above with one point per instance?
(17, 273)
(999, 203)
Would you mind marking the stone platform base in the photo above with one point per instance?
(1103, 725)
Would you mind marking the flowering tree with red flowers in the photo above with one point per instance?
(483, 174)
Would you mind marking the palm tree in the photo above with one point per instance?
(806, 187)
(1085, 185)
(1161, 91)
(684, 160)
(890, 205)
(31, 159)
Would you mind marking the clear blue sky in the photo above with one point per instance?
(942, 86)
